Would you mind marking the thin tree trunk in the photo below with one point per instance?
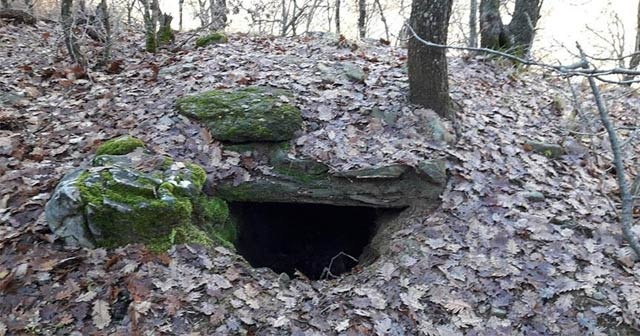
(293, 22)
(312, 11)
(428, 77)
(69, 38)
(150, 19)
(104, 12)
(129, 6)
(338, 17)
(362, 18)
(635, 59)
(473, 23)
(285, 19)
(180, 10)
(383, 18)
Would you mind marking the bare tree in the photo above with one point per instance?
(517, 36)
(151, 41)
(635, 58)
(218, 10)
(473, 23)
(338, 17)
(383, 19)
(70, 39)
(104, 16)
(180, 12)
(362, 18)
(428, 77)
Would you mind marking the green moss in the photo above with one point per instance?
(245, 115)
(212, 38)
(165, 35)
(190, 234)
(120, 146)
(198, 175)
(131, 214)
(166, 163)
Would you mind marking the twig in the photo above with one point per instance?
(326, 272)
(577, 69)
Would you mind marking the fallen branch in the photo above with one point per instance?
(626, 215)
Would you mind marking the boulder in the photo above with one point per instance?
(137, 197)
(245, 115)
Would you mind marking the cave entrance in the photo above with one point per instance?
(321, 241)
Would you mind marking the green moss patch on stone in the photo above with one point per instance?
(212, 38)
(125, 206)
(128, 213)
(120, 146)
(245, 115)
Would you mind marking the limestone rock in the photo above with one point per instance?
(300, 180)
(245, 115)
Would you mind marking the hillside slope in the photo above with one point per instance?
(494, 259)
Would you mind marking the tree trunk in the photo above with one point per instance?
(151, 42)
(473, 23)
(218, 14)
(362, 18)
(517, 36)
(338, 17)
(69, 38)
(180, 10)
(492, 31)
(523, 25)
(284, 18)
(635, 59)
(104, 13)
(383, 19)
(428, 80)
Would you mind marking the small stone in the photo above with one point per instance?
(549, 150)
(534, 196)
(354, 73)
(497, 312)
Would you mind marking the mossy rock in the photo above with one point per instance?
(120, 146)
(213, 38)
(114, 204)
(304, 180)
(252, 114)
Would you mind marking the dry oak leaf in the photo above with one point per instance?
(100, 314)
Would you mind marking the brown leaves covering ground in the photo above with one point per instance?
(489, 262)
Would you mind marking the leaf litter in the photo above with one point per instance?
(487, 262)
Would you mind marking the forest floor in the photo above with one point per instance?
(489, 261)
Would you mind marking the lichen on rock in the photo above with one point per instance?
(116, 202)
(245, 115)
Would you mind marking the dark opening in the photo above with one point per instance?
(320, 241)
